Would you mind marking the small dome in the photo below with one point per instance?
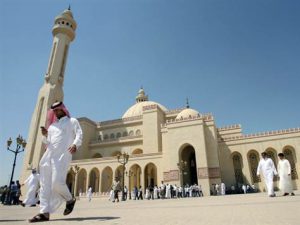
(186, 113)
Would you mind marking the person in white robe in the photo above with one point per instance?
(33, 183)
(244, 188)
(223, 189)
(267, 168)
(168, 191)
(217, 189)
(90, 193)
(62, 137)
(284, 173)
(111, 195)
(147, 195)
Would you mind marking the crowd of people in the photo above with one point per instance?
(11, 195)
(164, 191)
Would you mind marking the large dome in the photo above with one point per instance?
(137, 109)
(141, 101)
(187, 113)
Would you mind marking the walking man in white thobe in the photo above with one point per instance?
(284, 173)
(267, 168)
(63, 137)
(223, 189)
(89, 193)
(32, 183)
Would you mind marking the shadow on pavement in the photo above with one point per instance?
(86, 218)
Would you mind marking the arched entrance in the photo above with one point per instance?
(189, 175)
(70, 181)
(253, 160)
(94, 180)
(135, 179)
(106, 179)
(238, 168)
(81, 181)
(289, 153)
(150, 175)
(119, 174)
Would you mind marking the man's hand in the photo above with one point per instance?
(72, 149)
(44, 131)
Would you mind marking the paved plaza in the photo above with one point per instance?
(254, 209)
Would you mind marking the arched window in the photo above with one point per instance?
(131, 133)
(125, 134)
(112, 136)
(138, 133)
(137, 151)
(288, 153)
(97, 155)
(105, 137)
(237, 166)
(119, 135)
(116, 153)
(253, 163)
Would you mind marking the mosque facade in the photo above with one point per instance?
(180, 146)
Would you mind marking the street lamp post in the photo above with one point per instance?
(129, 175)
(75, 169)
(21, 144)
(123, 160)
(182, 166)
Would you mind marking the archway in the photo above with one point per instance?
(97, 155)
(70, 181)
(253, 160)
(81, 181)
(106, 179)
(289, 153)
(94, 179)
(116, 153)
(238, 168)
(119, 174)
(137, 151)
(150, 175)
(135, 179)
(189, 175)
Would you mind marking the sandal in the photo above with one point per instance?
(69, 207)
(39, 218)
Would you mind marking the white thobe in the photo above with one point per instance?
(32, 183)
(55, 163)
(89, 194)
(223, 189)
(168, 191)
(284, 172)
(155, 192)
(267, 168)
(147, 195)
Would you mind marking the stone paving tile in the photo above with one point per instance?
(254, 209)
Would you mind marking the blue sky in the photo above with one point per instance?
(237, 59)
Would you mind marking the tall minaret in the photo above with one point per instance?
(52, 90)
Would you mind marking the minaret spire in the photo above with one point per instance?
(69, 8)
(63, 32)
(187, 103)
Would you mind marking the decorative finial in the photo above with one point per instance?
(187, 103)
(142, 87)
(69, 7)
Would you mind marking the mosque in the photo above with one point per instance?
(177, 146)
